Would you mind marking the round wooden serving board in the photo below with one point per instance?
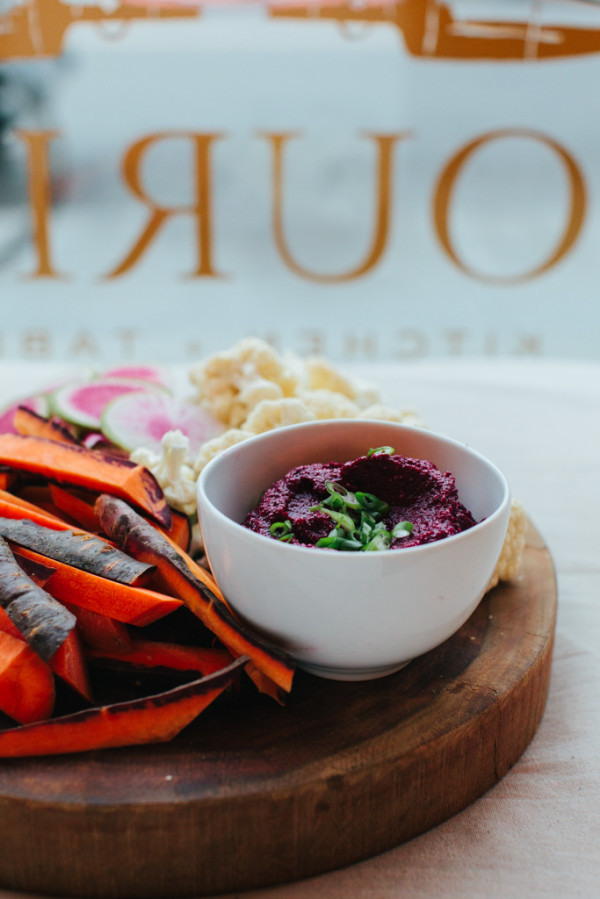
(254, 794)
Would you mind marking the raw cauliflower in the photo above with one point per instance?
(322, 375)
(511, 555)
(230, 384)
(216, 445)
(171, 469)
(379, 412)
(271, 414)
(325, 403)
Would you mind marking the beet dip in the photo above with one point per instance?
(409, 490)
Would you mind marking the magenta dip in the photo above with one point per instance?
(415, 490)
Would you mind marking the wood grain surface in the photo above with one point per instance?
(253, 794)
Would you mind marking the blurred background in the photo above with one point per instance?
(371, 181)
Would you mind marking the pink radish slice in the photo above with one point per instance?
(140, 373)
(142, 419)
(82, 402)
(38, 404)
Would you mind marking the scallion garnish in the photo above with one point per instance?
(342, 519)
(358, 519)
(338, 491)
(388, 450)
(372, 504)
(402, 529)
(282, 530)
(381, 540)
(342, 543)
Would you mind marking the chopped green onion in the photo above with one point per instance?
(380, 541)
(372, 504)
(367, 523)
(281, 530)
(342, 543)
(402, 529)
(335, 501)
(335, 490)
(388, 450)
(343, 521)
(379, 528)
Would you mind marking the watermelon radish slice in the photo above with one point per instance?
(38, 404)
(82, 402)
(142, 419)
(150, 373)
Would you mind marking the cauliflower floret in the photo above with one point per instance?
(252, 392)
(512, 550)
(329, 404)
(379, 412)
(322, 375)
(231, 383)
(271, 414)
(171, 469)
(216, 445)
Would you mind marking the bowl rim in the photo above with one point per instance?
(264, 541)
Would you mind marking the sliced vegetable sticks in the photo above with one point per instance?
(30, 424)
(178, 573)
(123, 602)
(12, 506)
(94, 470)
(44, 623)
(76, 548)
(152, 719)
(26, 682)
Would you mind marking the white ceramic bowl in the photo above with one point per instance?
(343, 615)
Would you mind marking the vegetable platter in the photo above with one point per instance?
(146, 730)
(253, 794)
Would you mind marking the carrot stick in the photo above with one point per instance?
(87, 468)
(42, 621)
(76, 548)
(30, 424)
(100, 631)
(12, 506)
(156, 654)
(70, 664)
(152, 719)
(75, 507)
(7, 477)
(180, 531)
(26, 682)
(129, 604)
(7, 626)
(177, 573)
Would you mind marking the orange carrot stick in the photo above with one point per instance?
(152, 719)
(87, 468)
(178, 574)
(99, 631)
(26, 682)
(70, 664)
(131, 605)
(30, 424)
(12, 506)
(156, 654)
(75, 507)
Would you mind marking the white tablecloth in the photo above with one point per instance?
(537, 832)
